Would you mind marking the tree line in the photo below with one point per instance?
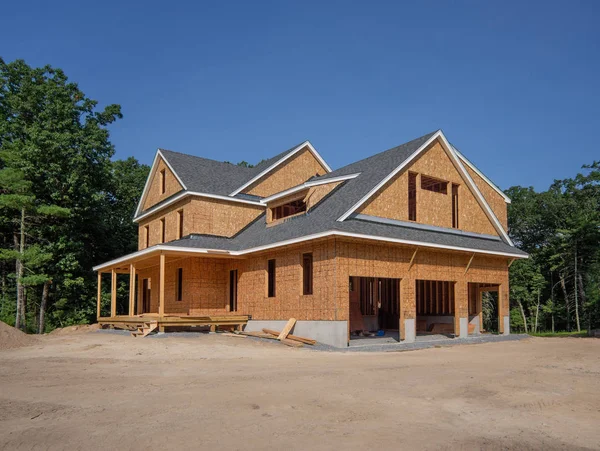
(66, 205)
(558, 287)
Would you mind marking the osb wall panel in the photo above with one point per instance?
(293, 172)
(432, 208)
(355, 258)
(289, 301)
(204, 286)
(200, 215)
(172, 185)
(495, 200)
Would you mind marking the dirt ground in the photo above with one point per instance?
(98, 390)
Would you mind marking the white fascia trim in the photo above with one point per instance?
(480, 199)
(374, 238)
(159, 248)
(458, 164)
(480, 174)
(151, 175)
(315, 236)
(390, 176)
(285, 158)
(307, 185)
(183, 194)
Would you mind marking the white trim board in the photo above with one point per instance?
(163, 247)
(282, 160)
(480, 174)
(307, 185)
(155, 209)
(158, 155)
(458, 165)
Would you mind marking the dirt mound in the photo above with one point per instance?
(78, 329)
(14, 338)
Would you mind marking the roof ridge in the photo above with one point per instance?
(379, 154)
(201, 158)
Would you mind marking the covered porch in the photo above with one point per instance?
(168, 288)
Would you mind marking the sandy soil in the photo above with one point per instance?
(102, 391)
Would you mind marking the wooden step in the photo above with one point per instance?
(146, 329)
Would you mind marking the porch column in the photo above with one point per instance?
(131, 289)
(113, 293)
(161, 286)
(99, 298)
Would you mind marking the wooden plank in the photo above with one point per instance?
(113, 293)
(99, 299)
(307, 341)
(161, 285)
(412, 259)
(286, 330)
(291, 343)
(469, 264)
(228, 334)
(258, 334)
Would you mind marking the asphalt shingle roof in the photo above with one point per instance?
(323, 217)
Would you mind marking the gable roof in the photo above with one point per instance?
(410, 152)
(267, 166)
(357, 181)
(203, 176)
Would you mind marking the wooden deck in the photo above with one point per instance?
(133, 322)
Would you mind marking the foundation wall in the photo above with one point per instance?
(293, 172)
(172, 186)
(432, 208)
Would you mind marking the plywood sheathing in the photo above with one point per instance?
(206, 280)
(200, 215)
(391, 201)
(495, 200)
(172, 186)
(293, 172)
(360, 259)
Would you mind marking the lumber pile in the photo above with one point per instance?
(282, 336)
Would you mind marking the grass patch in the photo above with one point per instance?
(583, 333)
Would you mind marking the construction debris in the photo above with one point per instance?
(229, 334)
(307, 341)
(292, 343)
(287, 329)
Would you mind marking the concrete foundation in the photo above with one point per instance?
(464, 327)
(333, 333)
(474, 320)
(410, 330)
(506, 320)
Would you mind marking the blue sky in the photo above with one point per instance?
(514, 85)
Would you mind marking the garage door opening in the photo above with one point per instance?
(435, 308)
(374, 308)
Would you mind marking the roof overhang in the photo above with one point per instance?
(305, 144)
(439, 135)
(482, 175)
(307, 185)
(185, 194)
(163, 248)
(159, 156)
